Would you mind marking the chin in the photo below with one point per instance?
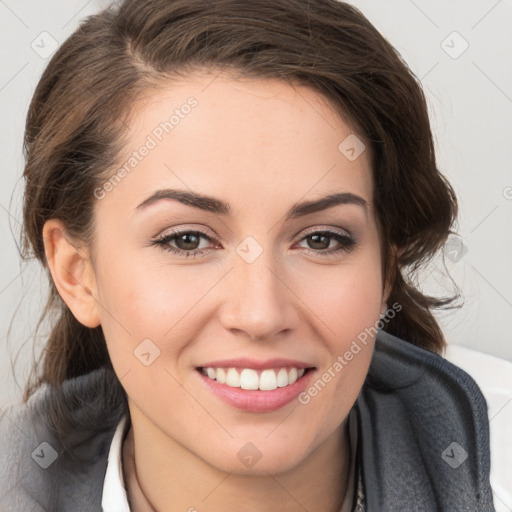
(256, 458)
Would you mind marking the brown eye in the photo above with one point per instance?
(319, 242)
(187, 241)
(184, 243)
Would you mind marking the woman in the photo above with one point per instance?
(231, 199)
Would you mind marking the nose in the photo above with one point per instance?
(259, 300)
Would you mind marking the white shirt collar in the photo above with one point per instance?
(114, 498)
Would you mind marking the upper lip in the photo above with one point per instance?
(244, 362)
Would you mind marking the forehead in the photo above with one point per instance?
(248, 141)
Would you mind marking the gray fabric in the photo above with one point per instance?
(70, 483)
(413, 406)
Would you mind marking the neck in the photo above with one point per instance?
(154, 479)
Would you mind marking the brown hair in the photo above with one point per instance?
(77, 120)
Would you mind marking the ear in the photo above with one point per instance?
(72, 273)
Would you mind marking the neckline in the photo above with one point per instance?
(353, 490)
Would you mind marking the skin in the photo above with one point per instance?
(262, 146)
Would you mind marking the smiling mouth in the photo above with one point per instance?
(251, 379)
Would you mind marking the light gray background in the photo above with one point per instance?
(470, 100)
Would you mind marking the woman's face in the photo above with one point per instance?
(256, 284)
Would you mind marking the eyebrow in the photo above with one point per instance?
(213, 205)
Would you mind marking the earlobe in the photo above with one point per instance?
(72, 273)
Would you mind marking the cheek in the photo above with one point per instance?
(148, 299)
(348, 304)
(137, 291)
(347, 299)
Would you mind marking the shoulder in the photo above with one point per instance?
(424, 432)
(44, 469)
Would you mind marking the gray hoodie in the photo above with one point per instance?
(422, 427)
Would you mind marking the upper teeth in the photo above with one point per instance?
(250, 379)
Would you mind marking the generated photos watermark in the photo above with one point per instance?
(156, 136)
(343, 360)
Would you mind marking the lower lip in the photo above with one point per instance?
(255, 400)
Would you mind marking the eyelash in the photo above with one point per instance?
(347, 243)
